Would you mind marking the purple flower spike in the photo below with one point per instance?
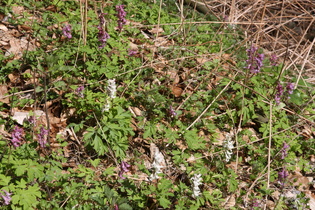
(116, 207)
(172, 112)
(273, 60)
(17, 136)
(79, 91)
(121, 14)
(282, 175)
(123, 169)
(102, 34)
(7, 197)
(42, 136)
(290, 88)
(255, 60)
(279, 93)
(132, 52)
(66, 30)
(284, 150)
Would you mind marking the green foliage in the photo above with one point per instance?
(102, 132)
(112, 133)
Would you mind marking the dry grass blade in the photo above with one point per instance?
(275, 26)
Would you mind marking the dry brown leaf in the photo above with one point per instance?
(270, 204)
(160, 41)
(52, 8)
(3, 43)
(202, 60)
(136, 111)
(177, 91)
(191, 159)
(156, 30)
(21, 116)
(133, 46)
(17, 10)
(311, 202)
(299, 180)
(158, 67)
(3, 27)
(181, 145)
(230, 202)
(220, 137)
(3, 93)
(24, 27)
(276, 195)
(173, 75)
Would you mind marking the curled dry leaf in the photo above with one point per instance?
(3, 27)
(14, 78)
(173, 76)
(177, 91)
(21, 116)
(136, 111)
(156, 30)
(133, 46)
(230, 202)
(3, 92)
(17, 10)
(220, 137)
(202, 60)
(191, 159)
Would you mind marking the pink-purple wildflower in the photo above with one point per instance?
(42, 136)
(290, 88)
(273, 59)
(172, 111)
(123, 169)
(116, 207)
(66, 30)
(7, 197)
(279, 93)
(282, 175)
(102, 34)
(132, 52)
(284, 150)
(121, 14)
(254, 203)
(17, 136)
(79, 91)
(255, 60)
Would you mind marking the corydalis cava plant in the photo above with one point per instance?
(17, 136)
(42, 136)
(123, 169)
(79, 91)
(66, 30)
(196, 179)
(112, 88)
(254, 61)
(228, 145)
(102, 34)
(121, 14)
(158, 162)
(280, 91)
(7, 197)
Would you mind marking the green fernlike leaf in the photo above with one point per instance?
(164, 202)
(4, 180)
(27, 198)
(193, 141)
(99, 146)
